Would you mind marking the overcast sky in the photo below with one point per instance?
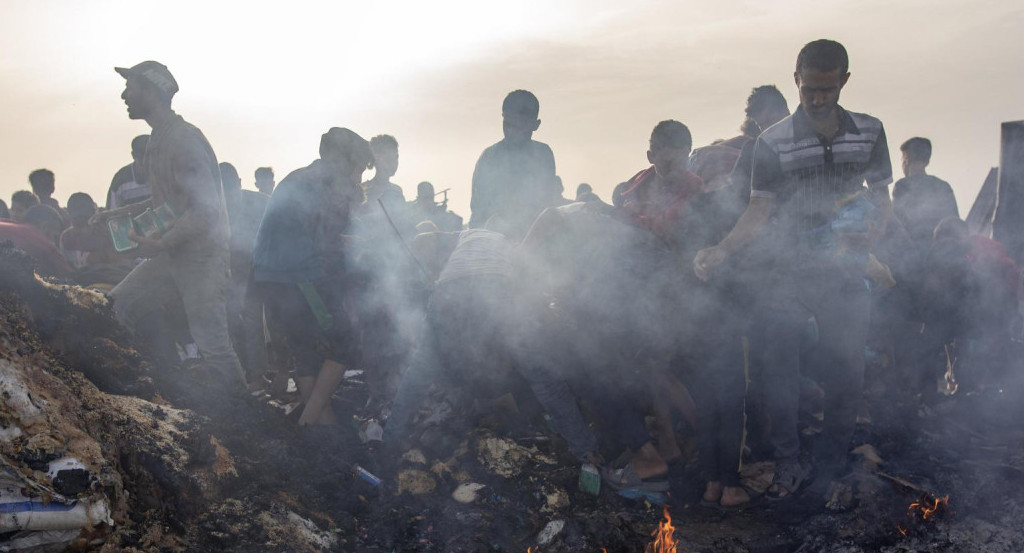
(264, 83)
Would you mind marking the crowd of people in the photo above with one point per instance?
(721, 287)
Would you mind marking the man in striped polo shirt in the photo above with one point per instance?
(805, 168)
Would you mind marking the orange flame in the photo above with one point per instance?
(927, 507)
(664, 537)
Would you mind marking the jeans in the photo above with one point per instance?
(840, 304)
(201, 280)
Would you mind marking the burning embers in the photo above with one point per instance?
(927, 509)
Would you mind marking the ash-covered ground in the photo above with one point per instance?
(183, 466)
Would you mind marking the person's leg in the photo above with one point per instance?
(144, 291)
(202, 280)
(780, 383)
(255, 340)
(842, 327)
(317, 410)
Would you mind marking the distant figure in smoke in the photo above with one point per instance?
(803, 166)
(265, 180)
(47, 221)
(920, 200)
(21, 202)
(385, 163)
(44, 185)
(5, 213)
(424, 208)
(585, 193)
(299, 266)
(130, 183)
(245, 312)
(515, 178)
(190, 260)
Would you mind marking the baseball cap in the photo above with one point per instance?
(154, 72)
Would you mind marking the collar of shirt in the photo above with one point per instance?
(802, 127)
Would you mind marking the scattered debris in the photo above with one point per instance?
(467, 493)
(550, 531)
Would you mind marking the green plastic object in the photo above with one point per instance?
(316, 303)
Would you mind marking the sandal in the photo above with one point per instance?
(626, 478)
(790, 476)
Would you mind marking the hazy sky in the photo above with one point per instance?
(265, 80)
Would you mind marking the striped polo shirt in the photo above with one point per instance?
(808, 174)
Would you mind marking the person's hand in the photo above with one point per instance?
(707, 260)
(149, 246)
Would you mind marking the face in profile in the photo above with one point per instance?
(819, 90)
(137, 97)
(385, 160)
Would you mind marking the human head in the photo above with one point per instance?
(670, 148)
(917, 153)
(229, 178)
(149, 87)
(4, 212)
(425, 192)
(519, 115)
(139, 144)
(582, 189)
(765, 107)
(43, 182)
(80, 208)
(822, 70)
(46, 220)
(21, 202)
(385, 155)
(265, 180)
(346, 152)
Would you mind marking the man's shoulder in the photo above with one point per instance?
(866, 123)
(123, 175)
(783, 130)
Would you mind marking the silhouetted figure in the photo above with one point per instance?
(190, 260)
(88, 247)
(47, 220)
(44, 184)
(515, 178)
(919, 200)
(265, 180)
(424, 208)
(130, 184)
(21, 202)
(585, 193)
(245, 311)
(5, 213)
(299, 265)
(803, 167)
(385, 164)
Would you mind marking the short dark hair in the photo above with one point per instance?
(918, 149)
(44, 218)
(81, 204)
(42, 179)
(521, 102)
(229, 178)
(139, 144)
(5, 213)
(384, 140)
(671, 133)
(823, 55)
(425, 188)
(264, 172)
(765, 97)
(26, 198)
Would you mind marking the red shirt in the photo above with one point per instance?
(659, 212)
(49, 261)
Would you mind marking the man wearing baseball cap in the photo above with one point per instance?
(189, 257)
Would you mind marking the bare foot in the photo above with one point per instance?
(713, 492)
(734, 496)
(648, 463)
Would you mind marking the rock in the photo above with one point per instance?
(415, 482)
(415, 457)
(467, 493)
(550, 531)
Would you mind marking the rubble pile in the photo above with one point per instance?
(102, 451)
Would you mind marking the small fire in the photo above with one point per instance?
(664, 537)
(928, 507)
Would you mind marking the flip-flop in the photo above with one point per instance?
(791, 476)
(626, 478)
